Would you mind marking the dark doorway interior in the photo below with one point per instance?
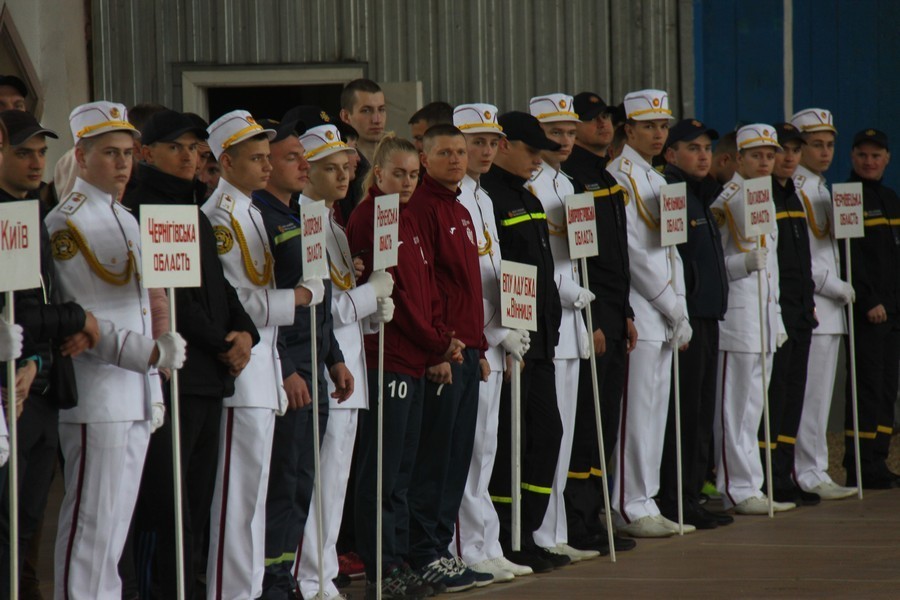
(273, 101)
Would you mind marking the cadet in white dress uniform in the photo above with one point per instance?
(739, 402)
(551, 186)
(831, 295)
(355, 310)
(96, 250)
(237, 524)
(660, 314)
(477, 536)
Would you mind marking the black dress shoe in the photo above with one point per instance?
(697, 518)
(791, 494)
(557, 560)
(591, 542)
(809, 498)
(720, 518)
(532, 559)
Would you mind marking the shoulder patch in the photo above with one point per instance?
(224, 239)
(62, 244)
(799, 180)
(536, 174)
(729, 191)
(72, 203)
(625, 166)
(719, 216)
(226, 203)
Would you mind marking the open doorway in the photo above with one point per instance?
(273, 101)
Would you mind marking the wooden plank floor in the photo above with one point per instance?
(843, 549)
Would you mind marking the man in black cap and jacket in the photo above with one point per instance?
(213, 321)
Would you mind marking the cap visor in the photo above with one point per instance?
(26, 134)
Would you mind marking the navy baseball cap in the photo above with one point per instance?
(589, 105)
(688, 130)
(787, 132)
(871, 136)
(169, 125)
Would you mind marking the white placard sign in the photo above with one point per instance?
(20, 245)
(759, 208)
(170, 246)
(673, 214)
(315, 257)
(847, 203)
(386, 232)
(518, 295)
(581, 224)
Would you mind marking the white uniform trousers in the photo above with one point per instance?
(637, 454)
(811, 451)
(103, 465)
(739, 411)
(554, 529)
(336, 454)
(237, 526)
(477, 535)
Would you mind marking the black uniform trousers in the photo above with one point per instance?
(541, 429)
(154, 521)
(583, 493)
(449, 414)
(288, 499)
(697, 371)
(38, 441)
(877, 357)
(403, 399)
(787, 388)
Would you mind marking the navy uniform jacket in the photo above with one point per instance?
(283, 229)
(798, 305)
(525, 238)
(609, 275)
(705, 277)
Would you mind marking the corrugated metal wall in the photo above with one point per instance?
(501, 51)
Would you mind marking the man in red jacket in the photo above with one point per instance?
(451, 393)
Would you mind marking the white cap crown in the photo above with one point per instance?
(553, 108)
(757, 135)
(810, 120)
(97, 118)
(233, 128)
(322, 141)
(647, 105)
(477, 118)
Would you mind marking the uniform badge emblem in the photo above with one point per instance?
(562, 103)
(251, 120)
(224, 239)
(719, 216)
(324, 116)
(870, 132)
(471, 236)
(114, 112)
(595, 99)
(696, 123)
(63, 245)
(329, 135)
(656, 103)
(72, 203)
(487, 115)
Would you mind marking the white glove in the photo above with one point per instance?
(584, 298)
(382, 284)
(846, 294)
(157, 416)
(4, 449)
(282, 402)
(517, 342)
(172, 351)
(10, 340)
(385, 311)
(316, 288)
(755, 260)
(683, 333)
(780, 339)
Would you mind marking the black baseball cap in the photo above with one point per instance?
(168, 125)
(308, 116)
(688, 130)
(15, 82)
(589, 105)
(522, 127)
(283, 129)
(871, 136)
(22, 126)
(788, 133)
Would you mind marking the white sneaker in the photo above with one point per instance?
(759, 505)
(688, 528)
(829, 490)
(505, 564)
(490, 567)
(574, 554)
(646, 527)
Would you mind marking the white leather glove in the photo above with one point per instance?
(384, 311)
(282, 402)
(172, 351)
(517, 342)
(683, 333)
(10, 340)
(585, 297)
(382, 284)
(676, 317)
(846, 294)
(755, 260)
(780, 340)
(316, 288)
(4, 450)
(157, 416)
